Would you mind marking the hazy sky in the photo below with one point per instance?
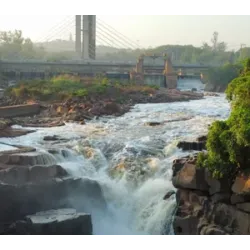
(147, 30)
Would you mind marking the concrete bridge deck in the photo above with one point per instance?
(86, 67)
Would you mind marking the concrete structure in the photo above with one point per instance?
(78, 41)
(85, 37)
(137, 74)
(170, 74)
(166, 78)
(143, 73)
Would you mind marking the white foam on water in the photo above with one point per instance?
(134, 193)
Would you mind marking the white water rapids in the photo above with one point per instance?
(134, 193)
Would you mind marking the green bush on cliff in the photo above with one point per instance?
(228, 143)
(224, 74)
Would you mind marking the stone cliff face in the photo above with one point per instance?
(208, 206)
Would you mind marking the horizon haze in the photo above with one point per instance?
(145, 30)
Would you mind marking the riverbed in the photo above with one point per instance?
(131, 160)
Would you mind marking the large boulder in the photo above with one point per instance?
(241, 185)
(190, 177)
(53, 222)
(18, 201)
(111, 108)
(216, 186)
(20, 175)
(187, 175)
(20, 110)
(196, 214)
(241, 189)
(27, 158)
(197, 146)
(14, 132)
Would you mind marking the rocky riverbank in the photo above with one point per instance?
(38, 198)
(50, 114)
(206, 205)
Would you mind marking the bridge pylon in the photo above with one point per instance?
(85, 36)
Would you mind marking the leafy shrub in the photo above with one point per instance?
(228, 143)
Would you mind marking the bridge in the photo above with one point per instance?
(86, 62)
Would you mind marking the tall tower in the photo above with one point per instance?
(78, 35)
(85, 45)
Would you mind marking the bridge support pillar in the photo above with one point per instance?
(170, 75)
(137, 74)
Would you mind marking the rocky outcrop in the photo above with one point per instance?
(27, 188)
(80, 109)
(53, 222)
(19, 110)
(206, 205)
(21, 175)
(198, 145)
(19, 201)
(7, 131)
(31, 158)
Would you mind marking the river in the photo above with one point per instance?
(140, 155)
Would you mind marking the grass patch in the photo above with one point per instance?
(66, 86)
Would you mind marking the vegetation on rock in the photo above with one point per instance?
(64, 87)
(223, 75)
(228, 142)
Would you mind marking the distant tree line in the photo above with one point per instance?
(14, 46)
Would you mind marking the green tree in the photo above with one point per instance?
(228, 143)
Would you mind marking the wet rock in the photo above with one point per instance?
(21, 175)
(152, 124)
(18, 201)
(76, 117)
(27, 158)
(18, 150)
(185, 225)
(45, 125)
(12, 132)
(241, 185)
(61, 110)
(212, 230)
(237, 198)
(221, 197)
(19, 110)
(178, 164)
(244, 207)
(197, 146)
(51, 138)
(190, 177)
(193, 89)
(222, 185)
(53, 222)
(168, 194)
(202, 138)
(111, 108)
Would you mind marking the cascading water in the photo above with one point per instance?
(131, 160)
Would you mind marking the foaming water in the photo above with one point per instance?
(131, 160)
(186, 84)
